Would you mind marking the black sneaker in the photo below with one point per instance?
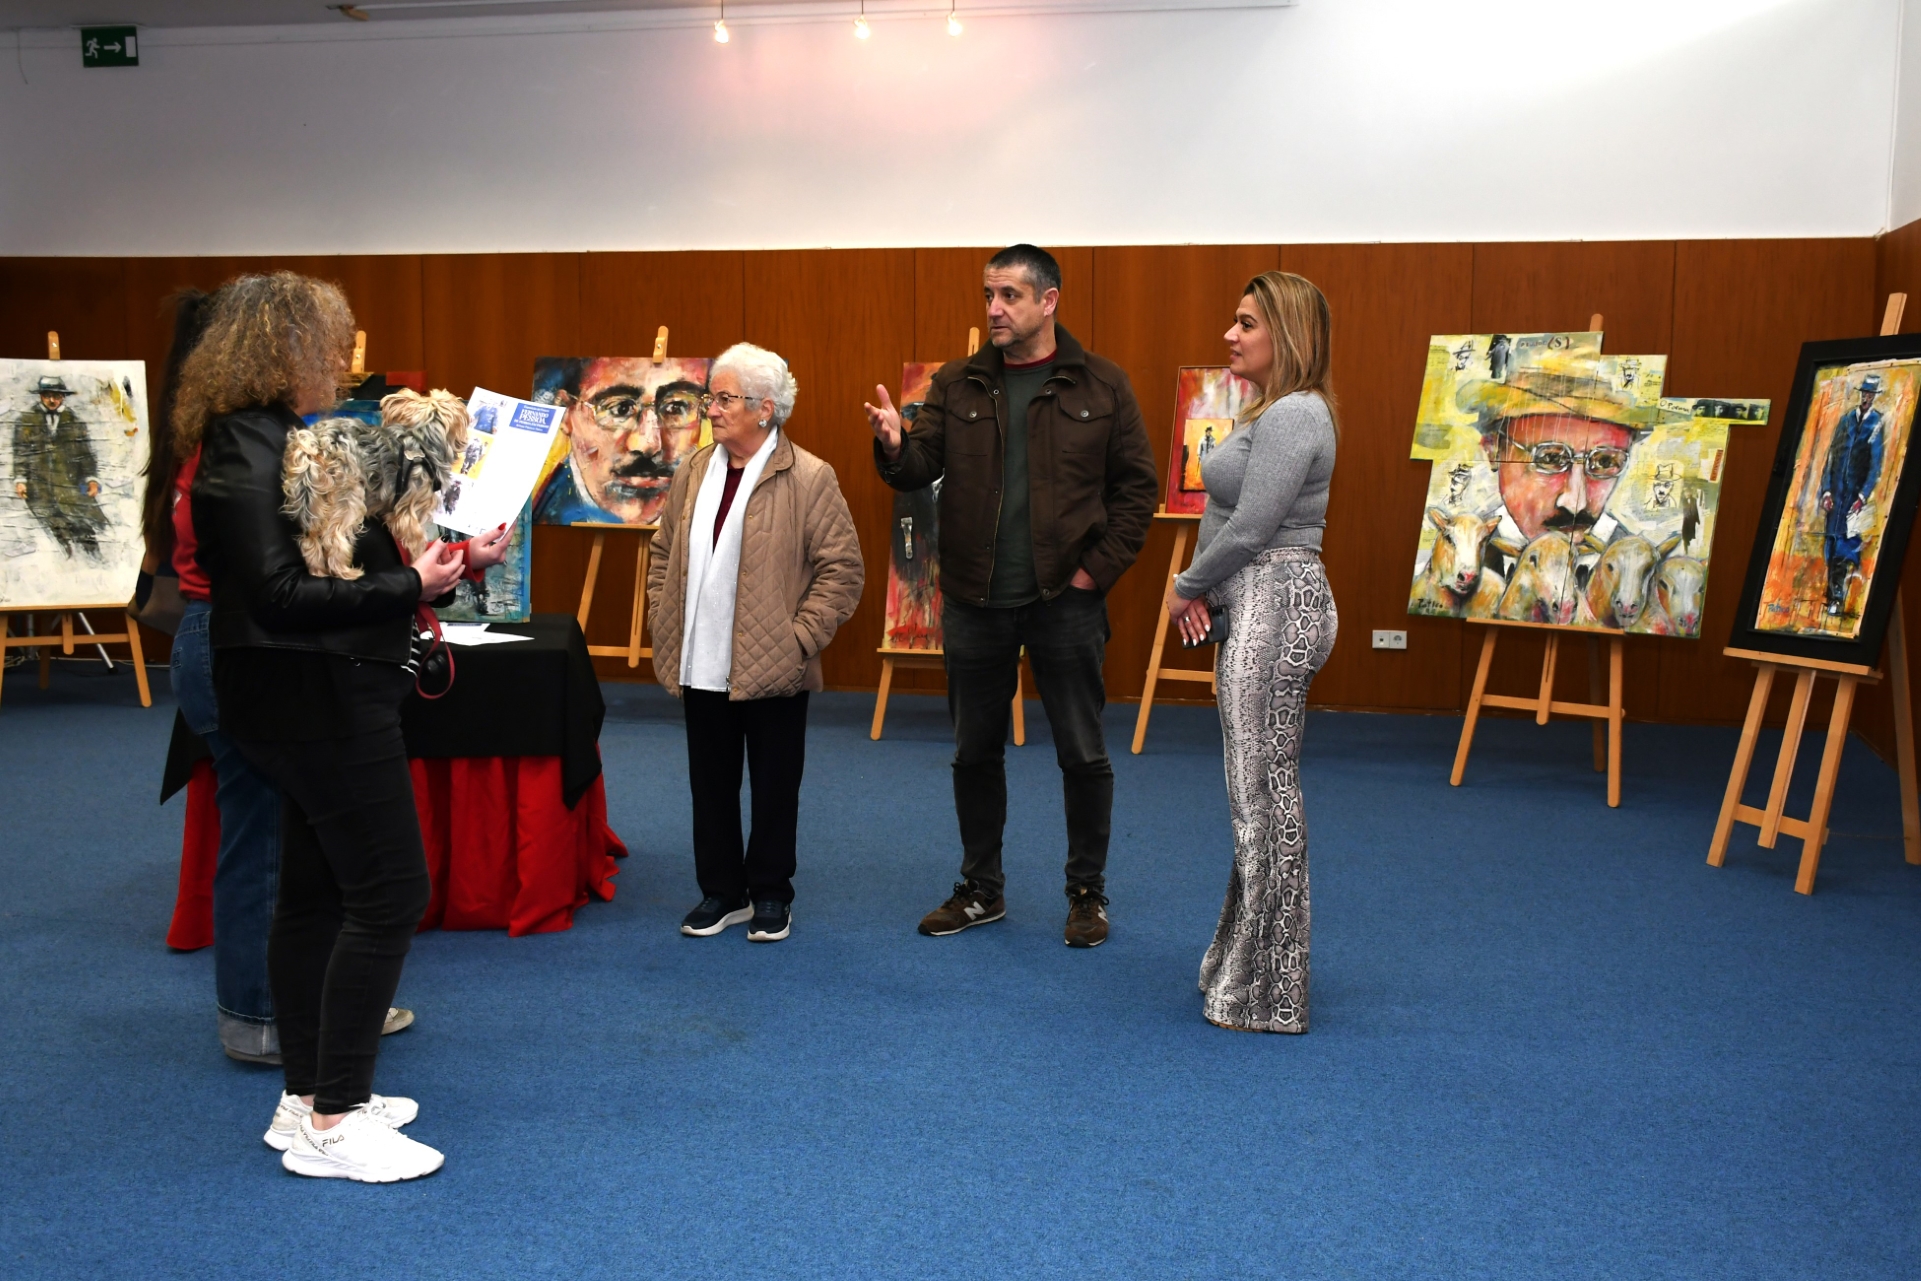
(771, 922)
(714, 915)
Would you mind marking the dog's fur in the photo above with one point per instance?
(341, 472)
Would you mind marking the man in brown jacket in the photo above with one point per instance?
(1047, 487)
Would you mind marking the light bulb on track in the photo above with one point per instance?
(953, 23)
(721, 35)
(861, 29)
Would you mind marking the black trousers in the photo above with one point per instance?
(1066, 640)
(774, 733)
(353, 887)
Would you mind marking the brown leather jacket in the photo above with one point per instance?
(800, 574)
(1091, 477)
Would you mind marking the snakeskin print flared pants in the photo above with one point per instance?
(1281, 626)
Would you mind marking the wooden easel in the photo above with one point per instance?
(66, 615)
(633, 651)
(891, 658)
(1184, 526)
(1607, 716)
(1813, 831)
(1544, 704)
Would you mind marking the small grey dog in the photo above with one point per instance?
(340, 472)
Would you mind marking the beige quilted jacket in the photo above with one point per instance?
(800, 574)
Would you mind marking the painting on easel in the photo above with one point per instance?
(1207, 408)
(630, 422)
(70, 507)
(1840, 506)
(913, 566)
(505, 592)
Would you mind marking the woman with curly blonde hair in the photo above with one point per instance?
(309, 673)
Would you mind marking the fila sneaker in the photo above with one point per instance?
(971, 905)
(391, 1112)
(363, 1148)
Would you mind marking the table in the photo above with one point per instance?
(507, 779)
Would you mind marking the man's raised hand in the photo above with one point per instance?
(885, 420)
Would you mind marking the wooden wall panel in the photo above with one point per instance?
(626, 297)
(1386, 301)
(1157, 308)
(82, 298)
(844, 321)
(1742, 309)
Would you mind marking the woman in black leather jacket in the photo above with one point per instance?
(310, 673)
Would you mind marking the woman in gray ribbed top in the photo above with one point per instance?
(1259, 564)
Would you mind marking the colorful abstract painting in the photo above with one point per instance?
(1208, 401)
(913, 566)
(631, 421)
(1848, 462)
(1564, 488)
(77, 439)
(505, 592)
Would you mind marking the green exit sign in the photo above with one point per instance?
(109, 47)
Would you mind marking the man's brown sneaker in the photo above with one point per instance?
(971, 905)
(1086, 916)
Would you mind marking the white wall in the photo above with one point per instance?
(1343, 120)
(1904, 197)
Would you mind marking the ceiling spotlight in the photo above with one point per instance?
(720, 32)
(861, 31)
(953, 24)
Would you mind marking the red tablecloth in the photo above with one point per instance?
(503, 849)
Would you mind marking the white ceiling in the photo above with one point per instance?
(257, 13)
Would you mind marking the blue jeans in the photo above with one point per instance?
(247, 878)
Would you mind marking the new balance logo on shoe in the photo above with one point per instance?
(976, 910)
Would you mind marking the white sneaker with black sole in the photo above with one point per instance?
(361, 1147)
(391, 1111)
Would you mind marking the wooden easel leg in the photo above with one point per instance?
(1549, 659)
(1594, 692)
(66, 635)
(1824, 786)
(1020, 710)
(1474, 705)
(139, 662)
(1743, 761)
(1160, 643)
(639, 616)
(4, 622)
(587, 587)
(1616, 662)
(1899, 689)
(880, 699)
(1784, 763)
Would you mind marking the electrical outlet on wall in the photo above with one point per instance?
(1390, 640)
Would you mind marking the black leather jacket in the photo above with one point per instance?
(263, 595)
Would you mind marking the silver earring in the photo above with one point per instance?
(763, 422)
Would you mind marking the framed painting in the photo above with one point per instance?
(1827, 557)
(1208, 400)
(913, 562)
(77, 441)
(630, 422)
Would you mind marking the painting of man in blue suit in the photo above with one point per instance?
(1853, 469)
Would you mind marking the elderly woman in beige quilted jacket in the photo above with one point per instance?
(755, 567)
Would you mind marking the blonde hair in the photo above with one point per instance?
(280, 338)
(1299, 330)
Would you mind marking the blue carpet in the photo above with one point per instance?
(1548, 1040)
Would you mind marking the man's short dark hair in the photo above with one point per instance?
(1042, 271)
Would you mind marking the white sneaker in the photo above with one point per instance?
(392, 1112)
(363, 1148)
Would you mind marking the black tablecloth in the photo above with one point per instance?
(536, 697)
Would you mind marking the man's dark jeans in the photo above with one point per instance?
(1066, 639)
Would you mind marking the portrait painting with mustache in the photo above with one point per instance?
(631, 421)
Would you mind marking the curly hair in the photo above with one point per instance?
(276, 339)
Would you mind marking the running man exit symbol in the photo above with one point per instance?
(109, 47)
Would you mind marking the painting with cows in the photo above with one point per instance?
(70, 508)
(1565, 488)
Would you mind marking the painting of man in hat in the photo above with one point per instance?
(55, 471)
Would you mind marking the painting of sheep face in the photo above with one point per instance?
(70, 505)
(1565, 489)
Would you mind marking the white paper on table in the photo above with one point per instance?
(494, 475)
(475, 634)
